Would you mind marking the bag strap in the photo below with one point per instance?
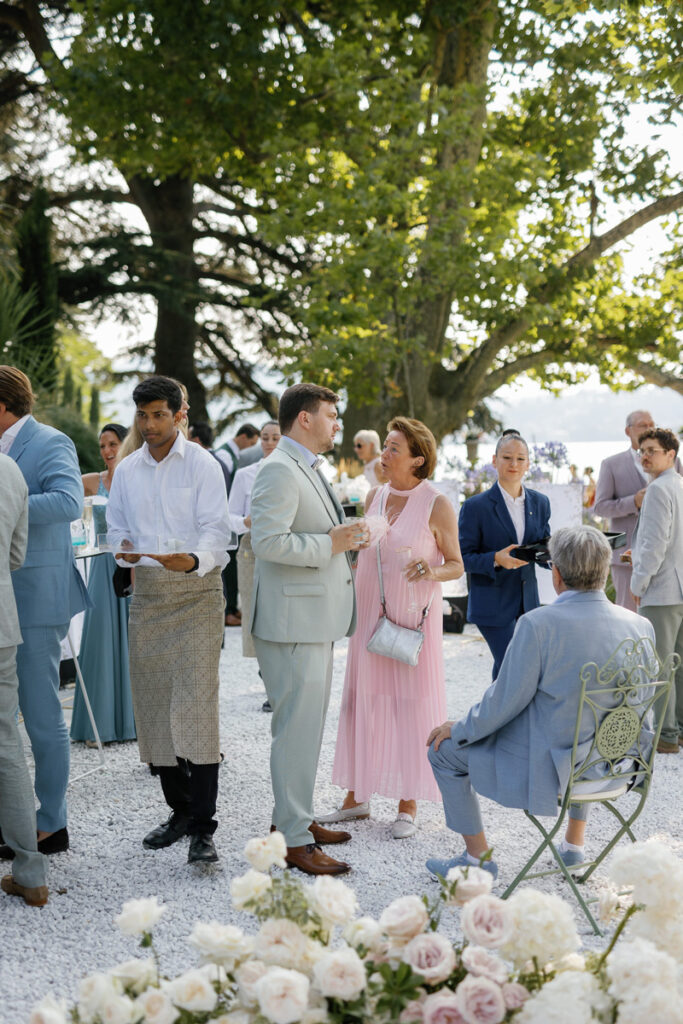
(425, 611)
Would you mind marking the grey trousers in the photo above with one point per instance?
(450, 765)
(297, 678)
(17, 802)
(667, 620)
(621, 578)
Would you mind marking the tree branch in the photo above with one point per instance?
(28, 21)
(86, 194)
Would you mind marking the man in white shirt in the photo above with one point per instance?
(242, 450)
(169, 496)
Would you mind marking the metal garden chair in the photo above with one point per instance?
(615, 703)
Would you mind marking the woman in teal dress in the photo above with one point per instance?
(104, 647)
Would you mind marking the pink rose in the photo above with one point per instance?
(482, 963)
(430, 955)
(480, 1001)
(404, 918)
(412, 1013)
(514, 994)
(487, 921)
(442, 1008)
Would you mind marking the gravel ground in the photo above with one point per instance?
(49, 950)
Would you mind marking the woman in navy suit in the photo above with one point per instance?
(491, 524)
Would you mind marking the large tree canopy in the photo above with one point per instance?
(416, 201)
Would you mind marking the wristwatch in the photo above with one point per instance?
(196, 563)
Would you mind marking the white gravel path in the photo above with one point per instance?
(49, 950)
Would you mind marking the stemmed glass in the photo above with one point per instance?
(405, 556)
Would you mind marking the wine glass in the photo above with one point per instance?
(405, 557)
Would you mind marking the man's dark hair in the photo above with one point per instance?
(203, 432)
(302, 398)
(158, 389)
(248, 429)
(115, 428)
(666, 438)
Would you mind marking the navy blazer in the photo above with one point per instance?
(48, 588)
(497, 595)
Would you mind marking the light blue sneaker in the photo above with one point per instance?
(572, 858)
(435, 866)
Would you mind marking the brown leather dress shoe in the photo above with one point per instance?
(311, 860)
(667, 748)
(35, 896)
(324, 835)
(233, 619)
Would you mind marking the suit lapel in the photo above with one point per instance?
(22, 439)
(502, 513)
(530, 515)
(327, 496)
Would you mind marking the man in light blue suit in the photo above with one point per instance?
(48, 592)
(515, 745)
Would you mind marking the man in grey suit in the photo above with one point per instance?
(17, 807)
(303, 601)
(619, 495)
(657, 556)
(515, 745)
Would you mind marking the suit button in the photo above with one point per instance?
(349, 582)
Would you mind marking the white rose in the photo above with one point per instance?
(480, 962)
(119, 1010)
(340, 974)
(222, 944)
(608, 905)
(404, 918)
(334, 901)
(486, 921)
(93, 991)
(139, 916)
(234, 1017)
(364, 931)
(136, 975)
(471, 882)
(542, 928)
(570, 962)
(157, 1007)
(246, 976)
(250, 886)
(282, 995)
(263, 853)
(49, 1011)
(430, 955)
(281, 942)
(193, 991)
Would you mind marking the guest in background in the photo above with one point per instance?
(502, 587)
(48, 590)
(574, 477)
(367, 448)
(201, 433)
(17, 804)
(588, 487)
(388, 707)
(174, 489)
(239, 506)
(104, 645)
(657, 578)
(240, 451)
(515, 745)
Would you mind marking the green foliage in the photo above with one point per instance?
(69, 421)
(94, 414)
(38, 281)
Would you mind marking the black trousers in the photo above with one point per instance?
(191, 790)
(229, 576)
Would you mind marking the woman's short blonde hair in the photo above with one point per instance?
(420, 440)
(369, 437)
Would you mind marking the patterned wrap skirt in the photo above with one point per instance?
(175, 632)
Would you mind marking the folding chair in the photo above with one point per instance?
(616, 699)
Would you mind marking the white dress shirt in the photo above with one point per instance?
(8, 437)
(515, 507)
(239, 502)
(176, 504)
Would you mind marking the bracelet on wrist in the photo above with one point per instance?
(196, 563)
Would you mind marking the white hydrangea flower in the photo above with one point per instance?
(49, 1011)
(222, 944)
(542, 927)
(250, 886)
(570, 998)
(644, 981)
(333, 900)
(138, 916)
(654, 871)
(269, 851)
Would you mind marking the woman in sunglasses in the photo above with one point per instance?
(367, 448)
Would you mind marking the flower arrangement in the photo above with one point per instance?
(313, 960)
(546, 460)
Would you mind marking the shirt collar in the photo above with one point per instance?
(306, 452)
(178, 448)
(508, 497)
(10, 434)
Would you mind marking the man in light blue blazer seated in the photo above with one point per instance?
(515, 745)
(48, 592)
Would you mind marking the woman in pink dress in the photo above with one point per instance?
(389, 708)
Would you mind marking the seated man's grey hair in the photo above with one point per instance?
(582, 556)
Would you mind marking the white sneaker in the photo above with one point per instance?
(404, 826)
(357, 813)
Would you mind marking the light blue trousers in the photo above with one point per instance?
(450, 765)
(17, 803)
(38, 671)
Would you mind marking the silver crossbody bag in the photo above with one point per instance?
(390, 640)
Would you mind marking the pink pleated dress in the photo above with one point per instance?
(388, 708)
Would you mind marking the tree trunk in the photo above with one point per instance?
(168, 208)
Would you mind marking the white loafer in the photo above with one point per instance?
(357, 813)
(404, 827)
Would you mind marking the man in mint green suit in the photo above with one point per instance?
(303, 601)
(48, 592)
